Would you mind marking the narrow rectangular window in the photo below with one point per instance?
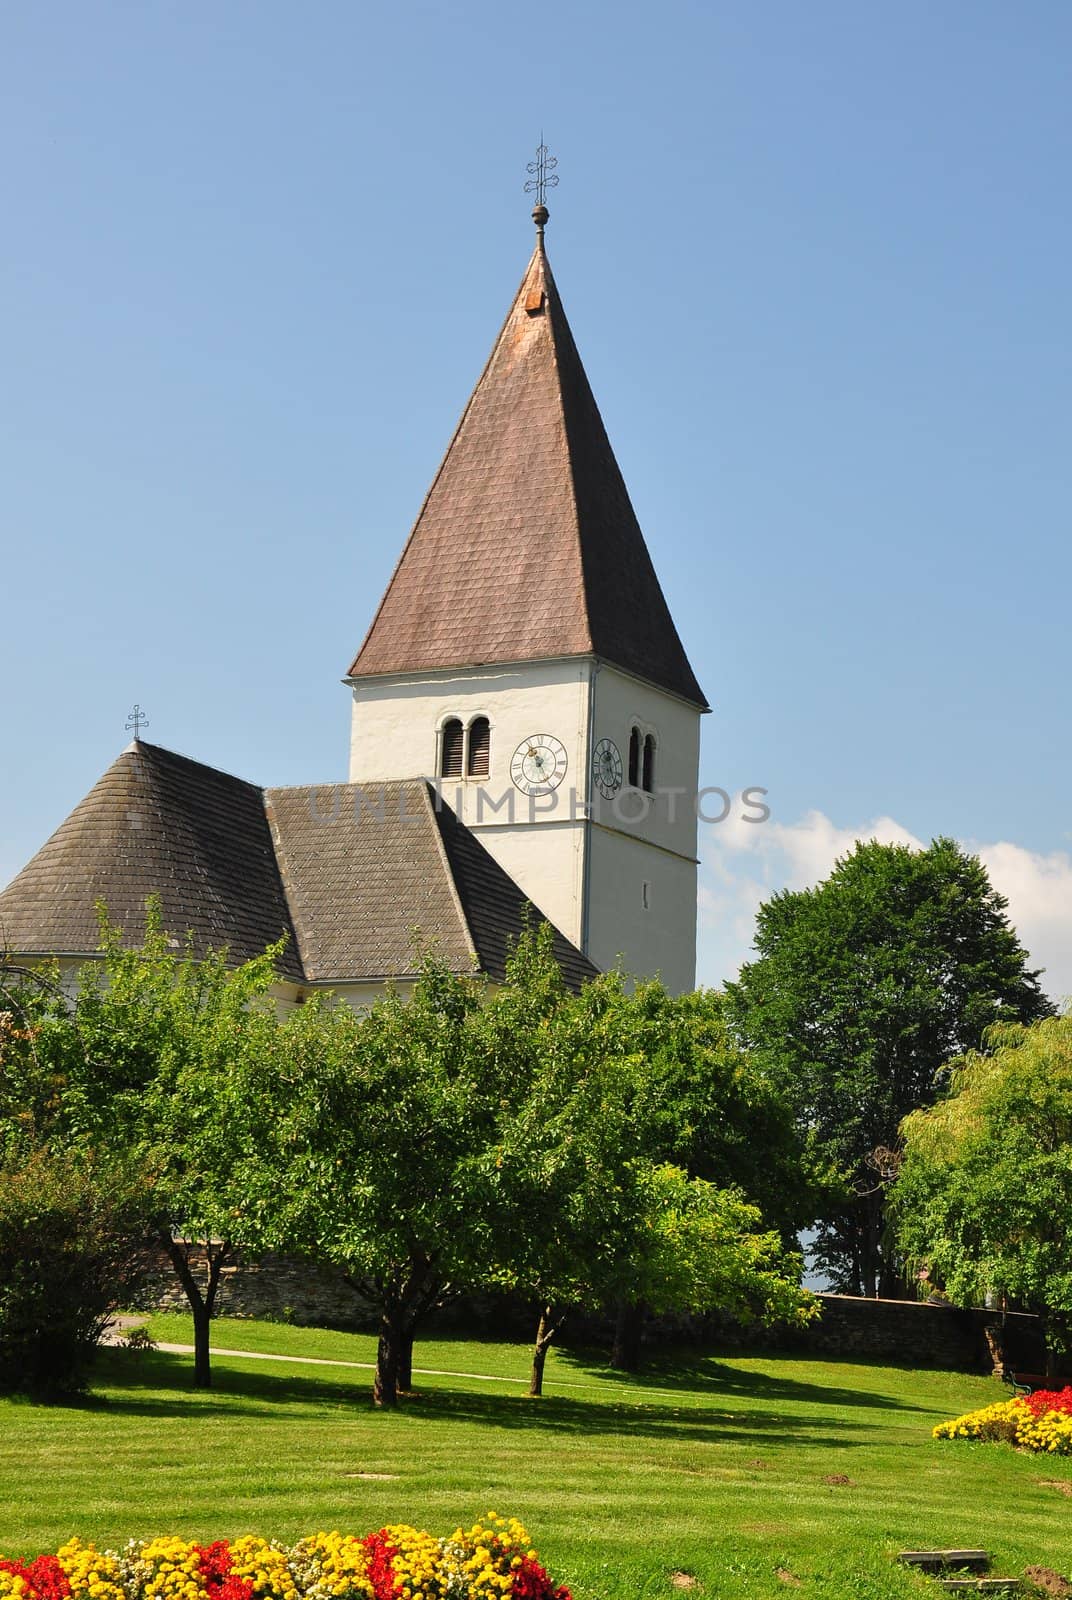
(479, 747)
(634, 758)
(450, 759)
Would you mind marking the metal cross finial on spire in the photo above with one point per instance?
(137, 720)
(542, 176)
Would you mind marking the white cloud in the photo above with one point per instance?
(812, 845)
(1039, 891)
(746, 863)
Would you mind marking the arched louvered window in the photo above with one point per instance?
(649, 763)
(634, 758)
(479, 747)
(452, 748)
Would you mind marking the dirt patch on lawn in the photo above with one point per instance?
(1048, 1581)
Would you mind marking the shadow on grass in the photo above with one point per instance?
(161, 1385)
(717, 1375)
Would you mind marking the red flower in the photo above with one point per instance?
(46, 1577)
(215, 1562)
(1050, 1400)
(531, 1582)
(381, 1574)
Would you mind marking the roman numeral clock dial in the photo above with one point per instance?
(607, 768)
(539, 764)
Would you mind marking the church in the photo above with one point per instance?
(524, 735)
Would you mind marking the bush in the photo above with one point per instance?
(70, 1241)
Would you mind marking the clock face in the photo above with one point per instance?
(539, 764)
(607, 768)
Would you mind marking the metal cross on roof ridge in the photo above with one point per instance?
(137, 720)
(542, 174)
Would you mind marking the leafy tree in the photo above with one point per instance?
(983, 1199)
(860, 989)
(705, 1247)
(152, 1067)
(389, 1119)
(704, 1104)
(590, 1212)
(35, 1039)
(681, 1245)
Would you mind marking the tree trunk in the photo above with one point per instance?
(405, 1363)
(202, 1338)
(388, 1357)
(628, 1333)
(201, 1305)
(868, 1252)
(544, 1335)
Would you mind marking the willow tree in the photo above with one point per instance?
(983, 1200)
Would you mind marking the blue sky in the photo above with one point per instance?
(816, 260)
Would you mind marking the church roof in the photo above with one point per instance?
(374, 873)
(356, 879)
(158, 824)
(527, 546)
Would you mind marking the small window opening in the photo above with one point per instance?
(479, 747)
(634, 758)
(450, 760)
(649, 763)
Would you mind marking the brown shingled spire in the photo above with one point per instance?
(527, 546)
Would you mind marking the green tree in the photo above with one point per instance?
(607, 1084)
(983, 1199)
(706, 1105)
(703, 1248)
(35, 1044)
(859, 991)
(385, 1140)
(152, 1067)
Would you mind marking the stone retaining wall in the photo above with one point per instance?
(917, 1334)
(274, 1288)
(281, 1288)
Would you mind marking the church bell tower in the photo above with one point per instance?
(524, 658)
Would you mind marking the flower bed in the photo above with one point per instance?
(1039, 1421)
(493, 1560)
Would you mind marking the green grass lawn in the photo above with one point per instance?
(723, 1467)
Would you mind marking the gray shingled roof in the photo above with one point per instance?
(156, 824)
(357, 879)
(375, 873)
(527, 545)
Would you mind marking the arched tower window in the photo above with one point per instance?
(634, 758)
(479, 763)
(451, 749)
(649, 763)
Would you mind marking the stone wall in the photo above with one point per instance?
(275, 1288)
(283, 1288)
(914, 1333)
